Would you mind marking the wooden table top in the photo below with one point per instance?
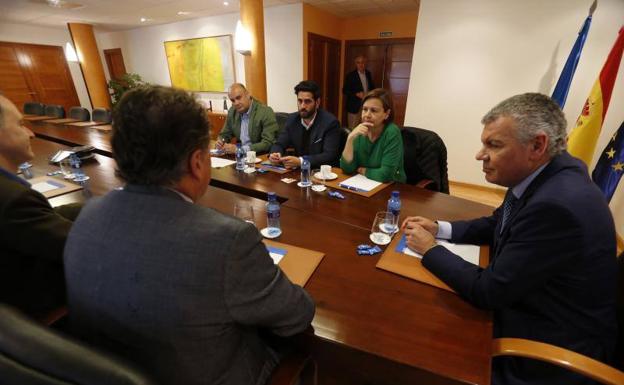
(429, 333)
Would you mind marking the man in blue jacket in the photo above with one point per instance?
(552, 271)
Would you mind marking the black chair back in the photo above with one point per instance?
(424, 157)
(102, 115)
(55, 110)
(34, 108)
(79, 113)
(620, 313)
(281, 119)
(344, 132)
(33, 354)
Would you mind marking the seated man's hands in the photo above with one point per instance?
(229, 148)
(419, 233)
(291, 161)
(275, 157)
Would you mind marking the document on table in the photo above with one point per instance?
(276, 253)
(221, 162)
(359, 183)
(46, 186)
(469, 253)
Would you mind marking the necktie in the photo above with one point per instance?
(508, 204)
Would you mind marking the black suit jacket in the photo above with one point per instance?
(353, 85)
(324, 143)
(32, 238)
(552, 273)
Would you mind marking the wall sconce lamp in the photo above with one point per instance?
(70, 53)
(242, 39)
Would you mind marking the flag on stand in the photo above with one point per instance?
(582, 140)
(560, 93)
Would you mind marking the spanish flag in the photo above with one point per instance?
(582, 140)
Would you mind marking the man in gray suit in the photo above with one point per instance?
(182, 290)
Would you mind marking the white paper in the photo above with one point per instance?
(276, 257)
(360, 182)
(45, 187)
(469, 253)
(221, 162)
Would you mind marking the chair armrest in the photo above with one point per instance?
(558, 356)
(290, 369)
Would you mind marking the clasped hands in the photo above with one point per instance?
(289, 162)
(229, 148)
(419, 233)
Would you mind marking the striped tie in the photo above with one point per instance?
(508, 204)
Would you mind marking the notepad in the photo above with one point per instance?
(221, 162)
(46, 186)
(276, 253)
(469, 253)
(359, 183)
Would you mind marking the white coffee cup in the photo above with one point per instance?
(251, 157)
(326, 170)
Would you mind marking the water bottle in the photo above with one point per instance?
(25, 168)
(273, 216)
(240, 157)
(75, 162)
(394, 210)
(305, 172)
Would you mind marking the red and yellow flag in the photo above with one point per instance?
(582, 140)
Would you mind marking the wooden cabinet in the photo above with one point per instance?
(217, 120)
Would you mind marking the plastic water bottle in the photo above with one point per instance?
(273, 215)
(25, 168)
(76, 164)
(240, 157)
(394, 210)
(305, 172)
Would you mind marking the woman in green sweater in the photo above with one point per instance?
(374, 148)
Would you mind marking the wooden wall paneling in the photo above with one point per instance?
(13, 80)
(323, 60)
(252, 17)
(115, 63)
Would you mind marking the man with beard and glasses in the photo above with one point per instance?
(311, 131)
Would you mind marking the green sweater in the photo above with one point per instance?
(383, 159)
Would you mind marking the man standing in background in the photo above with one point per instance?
(357, 84)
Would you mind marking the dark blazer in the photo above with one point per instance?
(324, 138)
(32, 238)
(552, 273)
(180, 289)
(353, 85)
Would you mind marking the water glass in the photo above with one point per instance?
(245, 212)
(67, 169)
(251, 159)
(382, 230)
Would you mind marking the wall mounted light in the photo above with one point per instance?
(242, 39)
(70, 53)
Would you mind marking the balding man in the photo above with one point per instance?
(357, 83)
(32, 233)
(248, 120)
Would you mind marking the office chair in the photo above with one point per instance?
(55, 110)
(79, 113)
(32, 354)
(281, 117)
(34, 108)
(102, 115)
(568, 359)
(424, 159)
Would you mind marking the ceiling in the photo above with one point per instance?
(114, 15)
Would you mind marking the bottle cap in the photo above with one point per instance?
(271, 196)
(395, 194)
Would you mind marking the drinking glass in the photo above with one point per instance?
(318, 180)
(382, 230)
(245, 212)
(67, 169)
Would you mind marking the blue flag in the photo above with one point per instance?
(560, 93)
(610, 166)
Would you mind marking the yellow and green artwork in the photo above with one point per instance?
(203, 64)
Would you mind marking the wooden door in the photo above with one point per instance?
(115, 63)
(36, 73)
(323, 59)
(390, 63)
(13, 80)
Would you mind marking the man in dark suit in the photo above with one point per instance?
(249, 121)
(552, 271)
(180, 289)
(32, 233)
(357, 83)
(311, 132)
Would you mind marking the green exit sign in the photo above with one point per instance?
(385, 34)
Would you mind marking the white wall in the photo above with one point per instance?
(144, 52)
(468, 56)
(21, 33)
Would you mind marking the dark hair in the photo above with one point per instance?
(309, 86)
(386, 101)
(155, 130)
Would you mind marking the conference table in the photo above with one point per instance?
(371, 326)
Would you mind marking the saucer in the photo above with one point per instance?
(274, 234)
(331, 176)
(319, 188)
(304, 185)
